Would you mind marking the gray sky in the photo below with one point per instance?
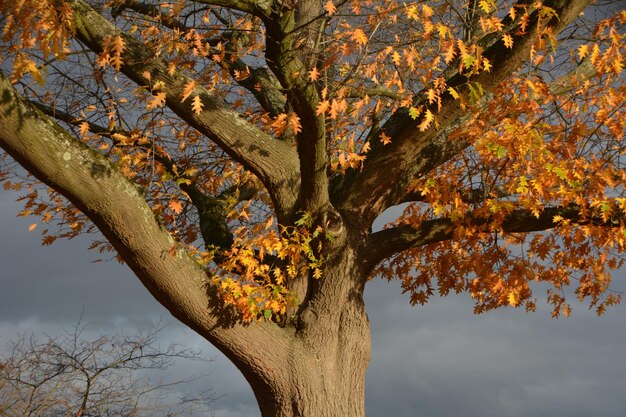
(431, 361)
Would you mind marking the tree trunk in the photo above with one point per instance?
(330, 353)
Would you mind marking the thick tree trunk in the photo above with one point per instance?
(328, 382)
(323, 384)
(330, 352)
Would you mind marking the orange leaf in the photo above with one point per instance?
(294, 122)
(385, 139)
(314, 74)
(359, 36)
(175, 206)
(322, 107)
(279, 125)
(117, 47)
(158, 100)
(330, 7)
(428, 119)
(189, 87)
(32, 227)
(84, 129)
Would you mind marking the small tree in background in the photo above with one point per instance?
(235, 154)
(77, 376)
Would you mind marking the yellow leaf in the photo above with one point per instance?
(486, 6)
(37, 76)
(583, 50)
(443, 30)
(396, 57)
(427, 11)
(412, 12)
(508, 40)
(196, 105)
(359, 36)
(486, 65)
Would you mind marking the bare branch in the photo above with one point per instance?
(75, 375)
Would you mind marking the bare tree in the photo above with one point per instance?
(74, 375)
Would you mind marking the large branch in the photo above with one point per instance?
(274, 162)
(293, 49)
(389, 170)
(116, 207)
(254, 7)
(388, 242)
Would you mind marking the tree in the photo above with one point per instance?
(235, 154)
(73, 375)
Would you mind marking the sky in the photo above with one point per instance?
(439, 360)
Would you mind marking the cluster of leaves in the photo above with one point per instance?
(42, 25)
(542, 141)
(254, 274)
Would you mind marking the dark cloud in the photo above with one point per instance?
(58, 281)
(431, 361)
(441, 360)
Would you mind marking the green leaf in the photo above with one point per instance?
(476, 92)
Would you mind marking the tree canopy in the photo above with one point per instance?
(236, 153)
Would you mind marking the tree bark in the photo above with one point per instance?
(331, 350)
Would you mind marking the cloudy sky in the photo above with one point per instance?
(432, 361)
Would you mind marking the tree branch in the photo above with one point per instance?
(211, 209)
(388, 242)
(115, 206)
(292, 50)
(388, 170)
(274, 162)
(256, 8)
(260, 81)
